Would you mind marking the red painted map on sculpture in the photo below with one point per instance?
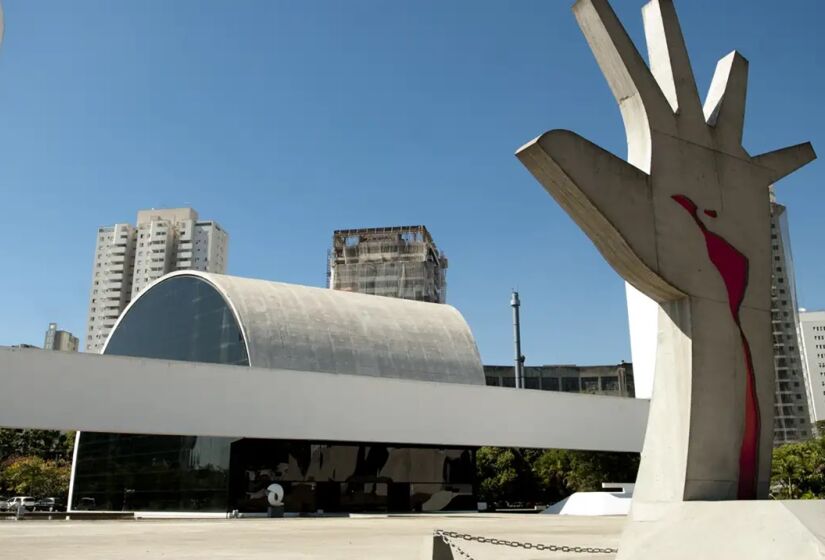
(733, 267)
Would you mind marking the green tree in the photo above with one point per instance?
(35, 476)
(505, 474)
(787, 473)
(530, 475)
(48, 444)
(561, 472)
(798, 470)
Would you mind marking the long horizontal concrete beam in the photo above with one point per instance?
(61, 390)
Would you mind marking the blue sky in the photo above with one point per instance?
(284, 120)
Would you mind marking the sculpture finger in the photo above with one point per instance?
(629, 78)
(781, 163)
(669, 62)
(725, 104)
(607, 197)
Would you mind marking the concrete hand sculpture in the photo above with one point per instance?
(686, 220)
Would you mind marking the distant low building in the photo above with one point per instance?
(613, 380)
(60, 340)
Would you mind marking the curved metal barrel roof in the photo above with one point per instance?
(317, 329)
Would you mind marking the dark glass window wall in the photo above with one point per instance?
(351, 476)
(132, 472)
(119, 472)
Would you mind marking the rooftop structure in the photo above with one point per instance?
(400, 262)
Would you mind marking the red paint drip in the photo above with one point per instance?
(733, 267)
(711, 213)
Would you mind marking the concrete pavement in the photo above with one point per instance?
(368, 537)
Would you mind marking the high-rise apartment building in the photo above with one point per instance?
(792, 409)
(401, 262)
(812, 326)
(128, 258)
(111, 287)
(60, 340)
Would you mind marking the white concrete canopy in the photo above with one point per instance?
(61, 390)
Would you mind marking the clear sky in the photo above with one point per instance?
(284, 120)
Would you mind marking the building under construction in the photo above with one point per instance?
(401, 262)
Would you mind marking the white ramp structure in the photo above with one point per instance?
(686, 221)
(76, 391)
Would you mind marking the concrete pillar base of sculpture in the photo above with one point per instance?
(756, 530)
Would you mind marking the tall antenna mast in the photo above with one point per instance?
(519, 369)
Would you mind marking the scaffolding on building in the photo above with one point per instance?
(401, 262)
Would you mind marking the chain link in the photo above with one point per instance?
(451, 538)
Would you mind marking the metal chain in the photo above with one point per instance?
(450, 538)
(452, 544)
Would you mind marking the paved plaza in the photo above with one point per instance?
(368, 537)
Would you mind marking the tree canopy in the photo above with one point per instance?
(35, 476)
(799, 470)
(35, 462)
(48, 444)
(546, 476)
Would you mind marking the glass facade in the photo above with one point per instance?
(121, 472)
(182, 318)
(351, 476)
(132, 472)
(185, 318)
